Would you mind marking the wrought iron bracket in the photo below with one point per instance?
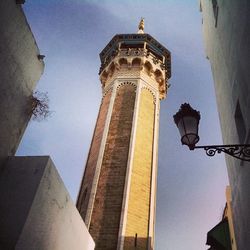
(239, 151)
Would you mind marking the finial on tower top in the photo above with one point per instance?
(141, 26)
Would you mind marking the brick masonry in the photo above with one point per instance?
(84, 195)
(104, 226)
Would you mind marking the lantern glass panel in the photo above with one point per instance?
(188, 127)
(191, 124)
(181, 127)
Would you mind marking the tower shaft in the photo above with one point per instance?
(118, 191)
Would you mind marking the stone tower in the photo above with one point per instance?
(118, 191)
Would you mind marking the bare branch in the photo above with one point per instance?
(40, 106)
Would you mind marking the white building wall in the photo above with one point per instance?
(227, 40)
(37, 212)
(20, 69)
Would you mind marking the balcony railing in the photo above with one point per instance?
(135, 52)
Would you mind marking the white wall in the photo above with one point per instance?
(228, 50)
(20, 70)
(34, 200)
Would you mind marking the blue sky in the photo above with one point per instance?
(71, 34)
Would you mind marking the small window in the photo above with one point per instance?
(215, 10)
(240, 124)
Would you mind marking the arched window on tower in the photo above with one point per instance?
(123, 62)
(148, 68)
(136, 62)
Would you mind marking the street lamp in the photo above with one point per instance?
(187, 121)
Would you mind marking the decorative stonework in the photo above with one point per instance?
(112, 48)
(126, 83)
(110, 87)
(136, 63)
(151, 91)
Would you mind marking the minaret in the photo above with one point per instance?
(118, 191)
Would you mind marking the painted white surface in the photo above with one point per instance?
(50, 220)
(227, 47)
(20, 70)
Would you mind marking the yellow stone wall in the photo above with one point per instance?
(139, 195)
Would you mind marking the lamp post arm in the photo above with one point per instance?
(239, 151)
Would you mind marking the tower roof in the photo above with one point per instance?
(153, 45)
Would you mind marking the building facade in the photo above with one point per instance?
(222, 236)
(36, 209)
(226, 34)
(20, 71)
(118, 191)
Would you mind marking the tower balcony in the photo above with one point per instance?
(136, 56)
(137, 63)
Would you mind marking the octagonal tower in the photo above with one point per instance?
(118, 190)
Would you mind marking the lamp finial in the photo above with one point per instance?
(141, 26)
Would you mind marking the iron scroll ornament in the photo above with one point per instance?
(239, 151)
